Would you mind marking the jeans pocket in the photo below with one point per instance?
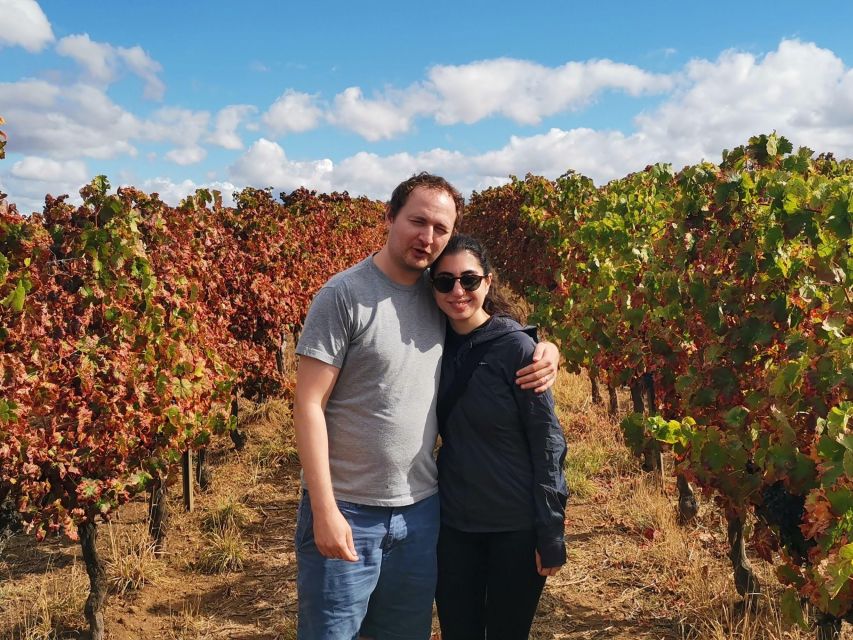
(349, 508)
(304, 523)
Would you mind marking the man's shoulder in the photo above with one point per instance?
(355, 275)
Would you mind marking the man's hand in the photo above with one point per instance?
(333, 536)
(545, 571)
(541, 374)
(314, 382)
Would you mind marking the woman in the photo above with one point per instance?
(500, 466)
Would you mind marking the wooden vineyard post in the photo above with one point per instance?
(187, 477)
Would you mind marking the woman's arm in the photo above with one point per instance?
(547, 446)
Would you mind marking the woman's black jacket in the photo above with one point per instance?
(500, 465)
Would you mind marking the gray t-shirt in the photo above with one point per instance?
(387, 340)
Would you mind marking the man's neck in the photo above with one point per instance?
(383, 262)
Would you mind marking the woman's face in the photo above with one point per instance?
(463, 308)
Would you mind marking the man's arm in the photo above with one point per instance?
(314, 382)
(541, 374)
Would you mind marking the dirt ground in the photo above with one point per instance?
(632, 574)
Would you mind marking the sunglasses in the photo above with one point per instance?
(469, 281)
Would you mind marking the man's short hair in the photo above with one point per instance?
(423, 179)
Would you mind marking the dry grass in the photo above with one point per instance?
(596, 454)
(228, 513)
(223, 551)
(188, 624)
(130, 559)
(582, 464)
(45, 606)
(271, 444)
(285, 628)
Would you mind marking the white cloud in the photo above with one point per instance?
(375, 119)
(522, 91)
(227, 120)
(103, 62)
(29, 179)
(37, 169)
(186, 155)
(98, 58)
(265, 164)
(172, 192)
(601, 155)
(182, 127)
(66, 122)
(526, 92)
(31, 30)
(293, 112)
(146, 68)
(799, 89)
(34, 94)
(802, 91)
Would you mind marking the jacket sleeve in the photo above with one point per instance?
(548, 454)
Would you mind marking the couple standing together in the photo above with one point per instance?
(410, 342)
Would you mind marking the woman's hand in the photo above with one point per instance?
(545, 571)
(541, 374)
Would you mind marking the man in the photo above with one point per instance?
(365, 423)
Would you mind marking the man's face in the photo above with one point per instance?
(421, 229)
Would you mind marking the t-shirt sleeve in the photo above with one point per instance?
(327, 330)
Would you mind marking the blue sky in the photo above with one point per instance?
(357, 96)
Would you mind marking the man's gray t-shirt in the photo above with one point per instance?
(387, 340)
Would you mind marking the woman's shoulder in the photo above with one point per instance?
(509, 333)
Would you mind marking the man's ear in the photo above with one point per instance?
(388, 218)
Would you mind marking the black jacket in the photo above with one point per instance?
(500, 465)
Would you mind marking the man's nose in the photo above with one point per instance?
(427, 234)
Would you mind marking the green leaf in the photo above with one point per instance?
(714, 456)
(90, 488)
(182, 388)
(792, 609)
(841, 500)
(139, 479)
(633, 426)
(699, 293)
(840, 570)
(7, 411)
(704, 397)
(785, 380)
(771, 145)
(16, 297)
(837, 419)
(834, 325)
(848, 463)
(736, 417)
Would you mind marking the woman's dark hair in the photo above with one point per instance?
(496, 303)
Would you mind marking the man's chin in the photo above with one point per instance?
(419, 263)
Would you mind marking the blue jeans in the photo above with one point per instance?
(387, 594)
